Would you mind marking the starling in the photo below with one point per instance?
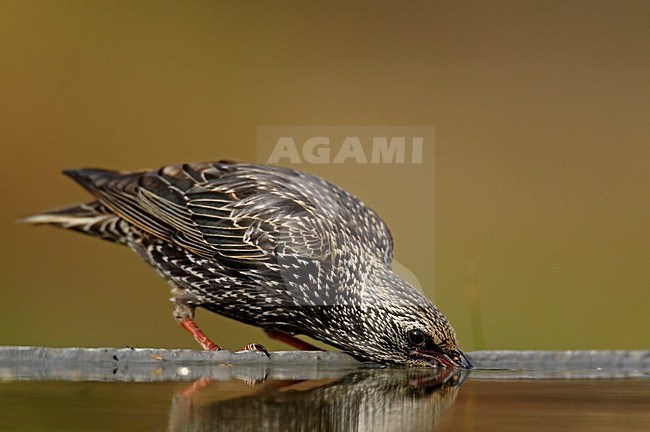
(268, 246)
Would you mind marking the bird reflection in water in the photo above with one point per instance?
(369, 399)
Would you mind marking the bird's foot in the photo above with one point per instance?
(255, 347)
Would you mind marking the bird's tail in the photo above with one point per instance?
(93, 219)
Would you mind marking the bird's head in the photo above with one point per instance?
(396, 324)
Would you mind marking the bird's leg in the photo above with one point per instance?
(292, 341)
(188, 324)
(184, 314)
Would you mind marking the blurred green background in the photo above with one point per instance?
(542, 163)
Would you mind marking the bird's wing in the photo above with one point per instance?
(241, 215)
(119, 193)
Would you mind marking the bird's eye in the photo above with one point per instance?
(416, 337)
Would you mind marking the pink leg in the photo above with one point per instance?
(292, 341)
(188, 324)
(184, 314)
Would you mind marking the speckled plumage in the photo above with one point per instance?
(268, 246)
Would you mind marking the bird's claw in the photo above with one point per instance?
(256, 347)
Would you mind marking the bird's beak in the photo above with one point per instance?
(461, 360)
(455, 359)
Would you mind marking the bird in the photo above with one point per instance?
(268, 246)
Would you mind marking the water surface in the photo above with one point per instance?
(345, 397)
